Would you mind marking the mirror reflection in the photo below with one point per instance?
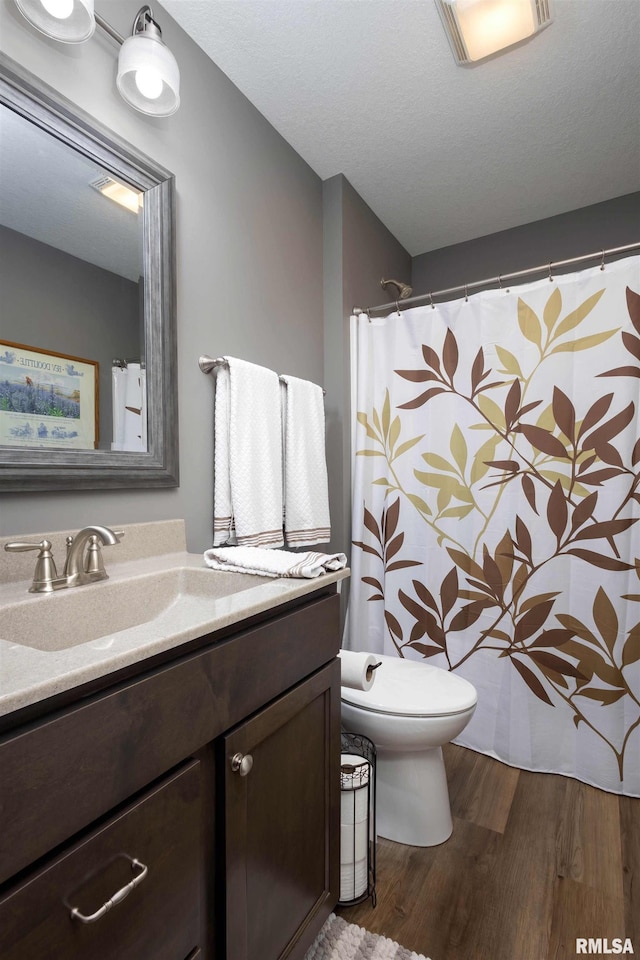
(72, 343)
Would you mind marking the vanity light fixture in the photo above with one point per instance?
(479, 28)
(119, 193)
(71, 21)
(148, 76)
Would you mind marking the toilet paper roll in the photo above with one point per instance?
(357, 670)
(353, 880)
(354, 771)
(353, 841)
(354, 805)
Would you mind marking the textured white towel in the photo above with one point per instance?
(248, 456)
(273, 563)
(222, 509)
(306, 490)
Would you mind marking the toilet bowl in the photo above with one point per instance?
(411, 710)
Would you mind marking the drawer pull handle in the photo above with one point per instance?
(241, 763)
(118, 896)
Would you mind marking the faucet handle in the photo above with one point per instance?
(20, 546)
(94, 564)
(45, 572)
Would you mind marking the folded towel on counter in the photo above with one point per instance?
(247, 456)
(306, 489)
(273, 563)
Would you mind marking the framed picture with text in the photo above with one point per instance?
(47, 399)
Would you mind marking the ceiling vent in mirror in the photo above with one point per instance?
(119, 193)
(477, 29)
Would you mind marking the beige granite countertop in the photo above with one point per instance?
(174, 594)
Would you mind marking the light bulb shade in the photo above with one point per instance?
(71, 21)
(148, 76)
(479, 28)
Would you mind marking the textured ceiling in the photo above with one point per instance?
(441, 153)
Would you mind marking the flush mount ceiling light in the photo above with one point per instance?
(148, 75)
(479, 28)
(71, 21)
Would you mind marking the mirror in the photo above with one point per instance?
(87, 335)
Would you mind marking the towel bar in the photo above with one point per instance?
(207, 364)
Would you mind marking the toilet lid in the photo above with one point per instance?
(413, 689)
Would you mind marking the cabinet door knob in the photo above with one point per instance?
(241, 763)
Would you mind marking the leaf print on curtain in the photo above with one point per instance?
(495, 512)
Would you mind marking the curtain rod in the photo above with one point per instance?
(464, 287)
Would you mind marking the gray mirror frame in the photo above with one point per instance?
(32, 470)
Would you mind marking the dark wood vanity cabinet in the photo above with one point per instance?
(206, 787)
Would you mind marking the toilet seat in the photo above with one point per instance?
(412, 689)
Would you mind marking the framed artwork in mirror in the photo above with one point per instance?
(47, 400)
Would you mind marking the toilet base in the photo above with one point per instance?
(412, 797)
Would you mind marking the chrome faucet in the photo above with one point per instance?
(83, 564)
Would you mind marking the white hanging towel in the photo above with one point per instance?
(118, 390)
(248, 456)
(306, 488)
(134, 409)
(129, 408)
(273, 563)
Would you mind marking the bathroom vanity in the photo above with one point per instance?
(179, 799)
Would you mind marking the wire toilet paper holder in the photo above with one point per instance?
(357, 820)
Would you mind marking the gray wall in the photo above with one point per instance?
(358, 252)
(57, 302)
(613, 223)
(249, 251)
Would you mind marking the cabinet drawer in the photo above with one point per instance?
(160, 917)
(62, 774)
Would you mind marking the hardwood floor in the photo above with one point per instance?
(534, 861)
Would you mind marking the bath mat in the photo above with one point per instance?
(339, 940)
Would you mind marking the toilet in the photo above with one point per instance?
(411, 710)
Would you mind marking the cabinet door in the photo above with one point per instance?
(155, 842)
(282, 821)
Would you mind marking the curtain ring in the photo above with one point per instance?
(602, 264)
(433, 306)
(499, 281)
(398, 309)
(369, 313)
(550, 277)
(466, 297)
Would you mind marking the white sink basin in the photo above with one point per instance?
(78, 615)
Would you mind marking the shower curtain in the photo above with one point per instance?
(496, 499)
